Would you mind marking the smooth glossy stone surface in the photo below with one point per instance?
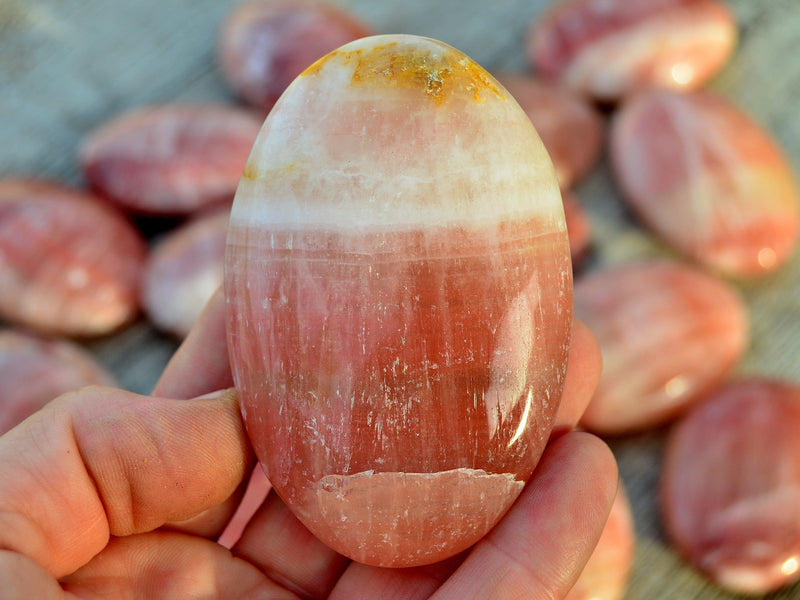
(70, 264)
(730, 492)
(579, 228)
(35, 370)
(610, 48)
(708, 180)
(571, 129)
(399, 299)
(183, 271)
(668, 333)
(605, 576)
(172, 159)
(265, 44)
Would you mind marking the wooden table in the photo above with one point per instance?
(68, 65)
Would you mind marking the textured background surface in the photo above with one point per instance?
(68, 65)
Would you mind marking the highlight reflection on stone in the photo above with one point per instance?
(399, 299)
(730, 489)
(608, 49)
(668, 333)
(708, 180)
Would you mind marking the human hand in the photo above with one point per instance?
(105, 493)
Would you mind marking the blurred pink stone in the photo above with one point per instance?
(265, 44)
(171, 159)
(605, 576)
(579, 228)
(70, 263)
(35, 370)
(708, 180)
(571, 129)
(668, 333)
(730, 489)
(182, 272)
(610, 48)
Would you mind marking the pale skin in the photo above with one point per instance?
(108, 494)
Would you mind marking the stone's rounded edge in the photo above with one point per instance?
(601, 298)
(412, 62)
(691, 442)
(478, 500)
(335, 73)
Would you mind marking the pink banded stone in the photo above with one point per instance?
(605, 576)
(70, 263)
(708, 180)
(34, 371)
(730, 489)
(183, 271)
(571, 129)
(265, 44)
(398, 286)
(668, 334)
(172, 159)
(610, 48)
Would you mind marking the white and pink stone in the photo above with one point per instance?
(707, 179)
(182, 272)
(170, 159)
(398, 287)
(668, 333)
(265, 44)
(609, 49)
(730, 489)
(70, 263)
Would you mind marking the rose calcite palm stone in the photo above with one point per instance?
(399, 299)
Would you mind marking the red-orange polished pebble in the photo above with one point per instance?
(265, 44)
(707, 179)
(730, 497)
(399, 299)
(171, 159)
(608, 49)
(668, 333)
(70, 263)
(35, 370)
(572, 130)
(605, 576)
(183, 270)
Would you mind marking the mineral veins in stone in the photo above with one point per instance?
(399, 299)
(730, 493)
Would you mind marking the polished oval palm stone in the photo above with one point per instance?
(399, 299)
(707, 179)
(668, 333)
(611, 48)
(730, 493)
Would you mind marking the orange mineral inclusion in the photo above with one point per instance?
(399, 300)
